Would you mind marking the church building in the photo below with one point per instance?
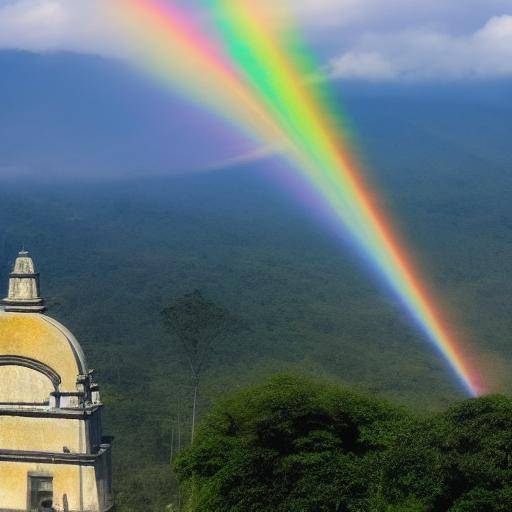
(53, 456)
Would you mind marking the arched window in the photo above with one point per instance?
(26, 381)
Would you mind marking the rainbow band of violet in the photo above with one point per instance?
(248, 75)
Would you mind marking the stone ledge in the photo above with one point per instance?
(51, 413)
(80, 459)
(25, 510)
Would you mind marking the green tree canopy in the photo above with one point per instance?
(458, 461)
(290, 444)
(297, 445)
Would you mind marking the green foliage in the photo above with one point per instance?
(294, 444)
(457, 461)
(196, 323)
(291, 444)
(150, 489)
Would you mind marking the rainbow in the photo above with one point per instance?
(239, 64)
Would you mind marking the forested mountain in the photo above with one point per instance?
(113, 252)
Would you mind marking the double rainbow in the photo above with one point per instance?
(245, 71)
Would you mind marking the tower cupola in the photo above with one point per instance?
(53, 455)
(24, 292)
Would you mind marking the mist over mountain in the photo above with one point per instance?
(71, 115)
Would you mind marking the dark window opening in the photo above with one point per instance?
(40, 493)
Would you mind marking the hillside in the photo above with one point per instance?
(113, 253)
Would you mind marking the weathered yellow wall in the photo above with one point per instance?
(33, 336)
(19, 384)
(42, 339)
(41, 434)
(66, 480)
(90, 489)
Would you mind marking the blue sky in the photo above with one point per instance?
(376, 40)
(68, 114)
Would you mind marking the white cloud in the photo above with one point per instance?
(368, 65)
(426, 54)
(375, 39)
(379, 14)
(45, 25)
(31, 24)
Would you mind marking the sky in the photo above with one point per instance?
(372, 40)
(60, 110)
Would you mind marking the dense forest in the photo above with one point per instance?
(114, 254)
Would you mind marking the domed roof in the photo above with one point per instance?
(44, 341)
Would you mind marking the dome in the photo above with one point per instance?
(38, 356)
(52, 446)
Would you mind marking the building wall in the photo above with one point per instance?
(20, 384)
(39, 357)
(42, 434)
(23, 289)
(104, 481)
(95, 432)
(41, 338)
(67, 481)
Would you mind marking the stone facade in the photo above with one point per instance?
(53, 455)
(24, 294)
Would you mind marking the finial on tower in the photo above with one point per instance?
(24, 294)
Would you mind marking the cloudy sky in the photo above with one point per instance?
(376, 40)
(60, 110)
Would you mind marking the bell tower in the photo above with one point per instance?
(53, 454)
(24, 292)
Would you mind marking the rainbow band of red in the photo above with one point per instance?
(248, 75)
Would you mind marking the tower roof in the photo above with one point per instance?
(24, 292)
(41, 339)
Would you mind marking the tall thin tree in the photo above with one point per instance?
(197, 324)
